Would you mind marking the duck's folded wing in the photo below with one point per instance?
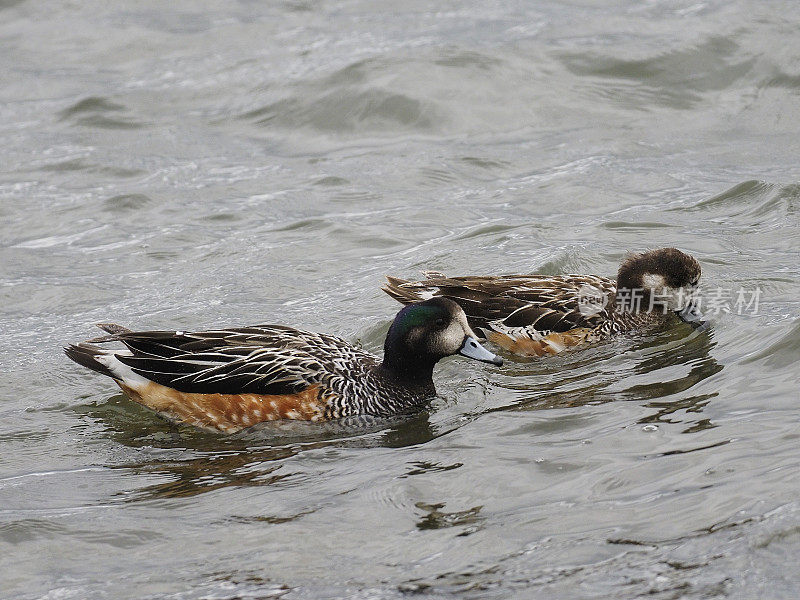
(257, 360)
(482, 298)
(559, 303)
(545, 303)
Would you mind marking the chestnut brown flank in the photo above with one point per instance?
(550, 344)
(227, 412)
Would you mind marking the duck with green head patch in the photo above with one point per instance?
(230, 379)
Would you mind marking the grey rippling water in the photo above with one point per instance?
(199, 164)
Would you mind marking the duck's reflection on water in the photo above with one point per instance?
(194, 462)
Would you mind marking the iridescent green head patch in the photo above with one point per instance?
(416, 315)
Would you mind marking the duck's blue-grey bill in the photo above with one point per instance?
(692, 315)
(472, 349)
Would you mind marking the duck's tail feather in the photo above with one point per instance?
(394, 287)
(111, 328)
(87, 355)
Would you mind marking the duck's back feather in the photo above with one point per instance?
(542, 302)
(267, 359)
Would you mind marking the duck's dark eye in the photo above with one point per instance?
(439, 322)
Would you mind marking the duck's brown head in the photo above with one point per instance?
(664, 279)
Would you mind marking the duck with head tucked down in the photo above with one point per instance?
(229, 379)
(534, 315)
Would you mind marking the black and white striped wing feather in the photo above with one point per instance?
(266, 359)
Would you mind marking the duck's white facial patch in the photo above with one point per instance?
(462, 319)
(653, 281)
(449, 341)
(664, 297)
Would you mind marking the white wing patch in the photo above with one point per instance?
(427, 293)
